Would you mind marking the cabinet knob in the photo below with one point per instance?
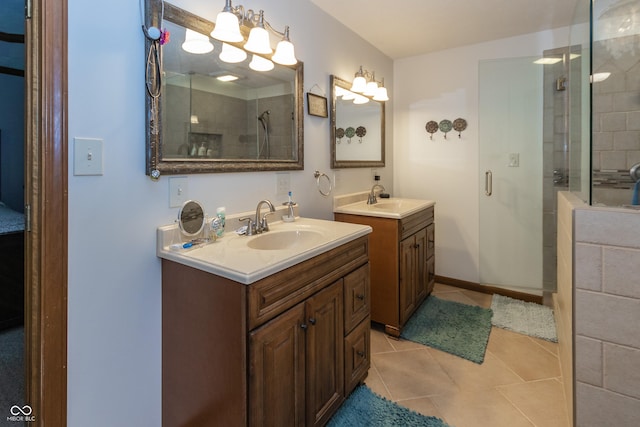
(360, 297)
(360, 353)
(304, 326)
(312, 320)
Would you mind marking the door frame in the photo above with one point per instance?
(46, 234)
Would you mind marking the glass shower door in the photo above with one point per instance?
(510, 161)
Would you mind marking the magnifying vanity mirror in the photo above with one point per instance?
(198, 123)
(191, 218)
(357, 129)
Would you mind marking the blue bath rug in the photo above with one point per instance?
(459, 329)
(365, 408)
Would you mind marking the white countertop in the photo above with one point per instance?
(231, 257)
(394, 207)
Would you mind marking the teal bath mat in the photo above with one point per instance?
(365, 408)
(460, 329)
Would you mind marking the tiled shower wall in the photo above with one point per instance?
(607, 315)
(616, 119)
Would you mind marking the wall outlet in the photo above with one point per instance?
(178, 191)
(283, 183)
(514, 160)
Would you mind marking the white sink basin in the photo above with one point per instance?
(397, 208)
(247, 259)
(279, 240)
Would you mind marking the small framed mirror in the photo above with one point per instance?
(357, 129)
(199, 123)
(191, 218)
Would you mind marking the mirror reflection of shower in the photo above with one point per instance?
(264, 148)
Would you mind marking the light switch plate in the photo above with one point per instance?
(87, 156)
(283, 183)
(514, 160)
(178, 191)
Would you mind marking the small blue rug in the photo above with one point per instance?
(365, 408)
(460, 329)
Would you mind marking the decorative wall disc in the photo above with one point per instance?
(349, 133)
(431, 127)
(360, 132)
(339, 134)
(459, 125)
(445, 126)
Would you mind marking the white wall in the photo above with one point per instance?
(444, 85)
(114, 296)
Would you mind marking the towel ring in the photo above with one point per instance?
(634, 172)
(318, 175)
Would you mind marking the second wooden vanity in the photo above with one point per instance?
(286, 349)
(402, 262)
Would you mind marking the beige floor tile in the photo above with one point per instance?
(374, 382)
(480, 299)
(412, 373)
(379, 342)
(487, 409)
(551, 347)
(455, 297)
(526, 358)
(401, 344)
(471, 376)
(541, 401)
(439, 287)
(422, 405)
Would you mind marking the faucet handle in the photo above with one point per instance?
(250, 226)
(264, 225)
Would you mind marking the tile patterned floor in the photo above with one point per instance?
(519, 383)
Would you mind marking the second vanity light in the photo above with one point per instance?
(227, 30)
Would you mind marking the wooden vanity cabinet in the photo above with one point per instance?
(402, 261)
(278, 352)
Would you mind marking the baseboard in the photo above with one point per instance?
(485, 289)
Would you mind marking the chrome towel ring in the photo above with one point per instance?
(317, 175)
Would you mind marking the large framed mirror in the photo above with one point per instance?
(357, 129)
(198, 123)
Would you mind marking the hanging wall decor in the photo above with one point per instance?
(431, 127)
(361, 131)
(445, 126)
(459, 125)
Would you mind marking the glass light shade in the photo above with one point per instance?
(258, 63)
(197, 43)
(194, 119)
(359, 84)
(227, 28)
(258, 41)
(381, 94)
(360, 99)
(371, 89)
(285, 54)
(348, 95)
(232, 54)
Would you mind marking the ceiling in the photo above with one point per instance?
(404, 28)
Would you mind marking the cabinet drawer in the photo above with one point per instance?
(357, 355)
(356, 297)
(277, 293)
(415, 222)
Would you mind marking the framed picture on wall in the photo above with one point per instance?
(317, 105)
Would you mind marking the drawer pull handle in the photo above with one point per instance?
(360, 297)
(312, 320)
(360, 353)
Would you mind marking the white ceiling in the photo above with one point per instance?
(404, 28)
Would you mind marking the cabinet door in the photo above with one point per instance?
(325, 354)
(420, 248)
(357, 355)
(407, 279)
(356, 297)
(277, 371)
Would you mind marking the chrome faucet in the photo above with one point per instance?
(372, 199)
(260, 224)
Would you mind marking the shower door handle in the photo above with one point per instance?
(488, 183)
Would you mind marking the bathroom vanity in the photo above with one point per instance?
(270, 329)
(401, 253)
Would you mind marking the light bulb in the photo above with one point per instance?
(258, 63)
(232, 54)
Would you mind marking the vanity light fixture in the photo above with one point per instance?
(227, 29)
(197, 43)
(258, 63)
(232, 54)
(365, 82)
